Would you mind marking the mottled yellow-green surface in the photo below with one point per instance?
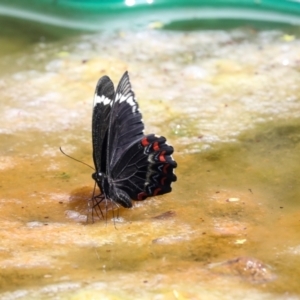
(227, 101)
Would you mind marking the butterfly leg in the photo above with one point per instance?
(112, 203)
(96, 200)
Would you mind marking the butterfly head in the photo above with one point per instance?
(98, 177)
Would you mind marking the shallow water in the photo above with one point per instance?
(227, 101)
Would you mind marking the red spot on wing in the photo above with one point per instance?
(156, 191)
(165, 168)
(142, 196)
(162, 156)
(145, 142)
(162, 182)
(155, 146)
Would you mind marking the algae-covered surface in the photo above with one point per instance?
(228, 101)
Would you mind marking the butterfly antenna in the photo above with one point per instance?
(61, 150)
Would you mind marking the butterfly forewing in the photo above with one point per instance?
(125, 124)
(103, 99)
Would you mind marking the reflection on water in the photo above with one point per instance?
(227, 101)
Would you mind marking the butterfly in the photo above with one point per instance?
(129, 165)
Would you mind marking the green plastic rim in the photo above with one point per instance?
(95, 15)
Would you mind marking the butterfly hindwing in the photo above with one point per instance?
(160, 173)
(145, 169)
(103, 99)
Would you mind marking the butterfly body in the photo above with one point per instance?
(129, 165)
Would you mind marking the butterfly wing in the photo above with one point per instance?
(146, 168)
(134, 166)
(125, 124)
(103, 100)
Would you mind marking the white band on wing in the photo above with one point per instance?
(102, 99)
(130, 100)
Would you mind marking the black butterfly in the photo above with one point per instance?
(129, 165)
